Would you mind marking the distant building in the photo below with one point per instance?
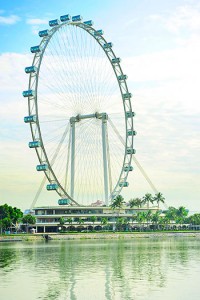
(98, 203)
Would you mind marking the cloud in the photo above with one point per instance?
(36, 24)
(10, 20)
(36, 21)
(10, 64)
(185, 18)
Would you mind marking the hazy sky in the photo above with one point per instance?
(159, 43)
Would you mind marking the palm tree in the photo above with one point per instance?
(135, 202)
(69, 220)
(171, 213)
(140, 218)
(133, 218)
(181, 214)
(80, 222)
(118, 202)
(104, 222)
(62, 222)
(93, 220)
(120, 223)
(159, 198)
(146, 199)
(156, 218)
(148, 216)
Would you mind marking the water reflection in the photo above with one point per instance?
(98, 269)
(7, 257)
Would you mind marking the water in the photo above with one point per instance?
(82, 270)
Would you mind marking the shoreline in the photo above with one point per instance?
(96, 236)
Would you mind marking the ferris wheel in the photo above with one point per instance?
(80, 113)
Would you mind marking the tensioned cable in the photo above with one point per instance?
(135, 160)
(44, 179)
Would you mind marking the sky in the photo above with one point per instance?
(159, 44)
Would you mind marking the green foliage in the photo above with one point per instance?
(135, 202)
(69, 220)
(29, 219)
(148, 198)
(118, 202)
(93, 219)
(155, 217)
(194, 219)
(9, 215)
(104, 221)
(61, 221)
(159, 198)
(80, 221)
(6, 223)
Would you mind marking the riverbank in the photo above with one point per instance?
(99, 235)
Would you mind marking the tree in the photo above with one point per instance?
(133, 218)
(146, 199)
(148, 216)
(159, 198)
(119, 224)
(93, 219)
(164, 221)
(80, 221)
(69, 220)
(118, 202)
(140, 218)
(12, 215)
(181, 214)
(6, 223)
(171, 213)
(156, 218)
(28, 220)
(104, 221)
(194, 219)
(136, 202)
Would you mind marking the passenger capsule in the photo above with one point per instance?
(34, 144)
(116, 60)
(64, 201)
(128, 168)
(53, 23)
(89, 23)
(124, 184)
(65, 18)
(31, 69)
(52, 187)
(127, 96)
(76, 18)
(30, 119)
(130, 151)
(98, 32)
(130, 114)
(108, 45)
(28, 93)
(42, 167)
(35, 49)
(131, 132)
(122, 77)
(43, 33)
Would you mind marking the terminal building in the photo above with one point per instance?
(81, 218)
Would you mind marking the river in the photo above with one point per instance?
(139, 268)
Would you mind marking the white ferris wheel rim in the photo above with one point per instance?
(125, 98)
